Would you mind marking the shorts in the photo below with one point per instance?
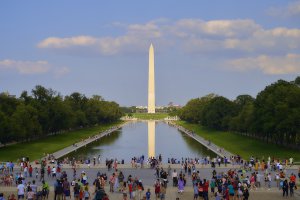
(21, 196)
(232, 194)
(195, 196)
(67, 193)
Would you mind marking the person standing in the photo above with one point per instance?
(66, 188)
(76, 191)
(30, 170)
(174, 177)
(291, 186)
(58, 190)
(45, 189)
(205, 189)
(285, 188)
(195, 191)
(112, 182)
(163, 191)
(25, 171)
(157, 189)
(148, 194)
(269, 180)
(246, 193)
(180, 185)
(30, 194)
(33, 186)
(53, 172)
(21, 190)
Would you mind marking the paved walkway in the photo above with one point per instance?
(216, 149)
(85, 142)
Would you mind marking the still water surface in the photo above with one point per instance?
(144, 138)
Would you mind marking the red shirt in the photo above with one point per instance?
(205, 186)
(157, 188)
(130, 187)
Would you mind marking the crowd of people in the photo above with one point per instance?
(233, 183)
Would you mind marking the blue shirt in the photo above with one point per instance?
(148, 195)
(231, 190)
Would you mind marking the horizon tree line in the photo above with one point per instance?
(45, 112)
(273, 116)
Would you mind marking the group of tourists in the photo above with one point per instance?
(233, 183)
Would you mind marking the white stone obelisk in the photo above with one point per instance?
(151, 82)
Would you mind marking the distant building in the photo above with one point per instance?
(9, 95)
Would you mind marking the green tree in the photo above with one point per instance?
(218, 113)
(277, 113)
(26, 124)
(193, 110)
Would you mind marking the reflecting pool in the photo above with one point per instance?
(144, 138)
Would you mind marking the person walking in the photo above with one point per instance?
(180, 185)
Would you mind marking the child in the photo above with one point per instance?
(148, 194)
(86, 194)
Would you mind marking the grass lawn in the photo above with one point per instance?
(36, 149)
(242, 145)
(147, 116)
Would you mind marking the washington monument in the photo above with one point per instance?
(151, 82)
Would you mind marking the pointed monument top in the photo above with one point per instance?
(151, 45)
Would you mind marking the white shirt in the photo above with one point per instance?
(21, 189)
(174, 174)
(270, 178)
(53, 170)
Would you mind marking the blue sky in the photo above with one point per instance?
(101, 47)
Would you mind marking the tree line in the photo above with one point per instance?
(46, 112)
(273, 116)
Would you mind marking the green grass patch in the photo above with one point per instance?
(242, 145)
(36, 149)
(149, 116)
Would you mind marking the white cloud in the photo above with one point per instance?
(222, 28)
(272, 65)
(291, 10)
(190, 35)
(55, 42)
(25, 67)
(137, 37)
(32, 67)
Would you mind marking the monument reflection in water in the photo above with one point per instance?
(151, 139)
(139, 138)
